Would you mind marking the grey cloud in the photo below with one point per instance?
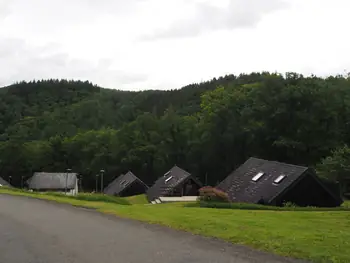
(76, 9)
(19, 61)
(110, 6)
(238, 14)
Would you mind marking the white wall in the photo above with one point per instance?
(72, 192)
(75, 190)
(165, 199)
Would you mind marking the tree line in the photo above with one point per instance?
(207, 128)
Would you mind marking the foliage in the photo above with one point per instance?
(346, 204)
(336, 167)
(289, 204)
(207, 128)
(298, 236)
(211, 194)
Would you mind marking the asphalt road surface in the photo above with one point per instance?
(37, 231)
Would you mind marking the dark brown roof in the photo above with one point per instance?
(171, 179)
(124, 181)
(240, 187)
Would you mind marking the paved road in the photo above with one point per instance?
(36, 231)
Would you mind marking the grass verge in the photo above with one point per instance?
(245, 206)
(86, 200)
(319, 236)
(94, 198)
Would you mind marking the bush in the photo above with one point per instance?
(211, 194)
(289, 204)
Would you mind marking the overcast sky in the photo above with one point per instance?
(164, 44)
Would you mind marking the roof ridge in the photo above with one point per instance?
(291, 165)
(52, 173)
(181, 169)
(278, 162)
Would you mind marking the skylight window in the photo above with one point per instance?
(122, 182)
(258, 176)
(167, 173)
(168, 179)
(279, 179)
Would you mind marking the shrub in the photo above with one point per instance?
(289, 204)
(211, 194)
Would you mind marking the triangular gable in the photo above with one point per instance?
(258, 178)
(121, 183)
(170, 180)
(3, 182)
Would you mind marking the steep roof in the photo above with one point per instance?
(52, 181)
(241, 186)
(171, 179)
(121, 183)
(4, 183)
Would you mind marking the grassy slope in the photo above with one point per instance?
(137, 199)
(318, 236)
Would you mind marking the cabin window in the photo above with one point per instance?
(168, 179)
(279, 179)
(258, 176)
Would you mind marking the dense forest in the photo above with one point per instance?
(208, 128)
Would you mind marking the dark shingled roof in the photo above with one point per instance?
(241, 188)
(118, 185)
(169, 181)
(52, 181)
(4, 183)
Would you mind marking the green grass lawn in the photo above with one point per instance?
(320, 236)
(137, 199)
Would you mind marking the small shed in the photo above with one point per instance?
(275, 183)
(54, 182)
(176, 182)
(126, 185)
(3, 182)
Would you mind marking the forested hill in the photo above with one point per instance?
(42, 109)
(207, 128)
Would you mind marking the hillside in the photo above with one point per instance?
(42, 109)
(208, 128)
